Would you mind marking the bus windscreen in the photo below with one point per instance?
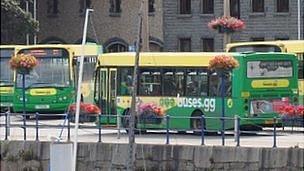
(255, 48)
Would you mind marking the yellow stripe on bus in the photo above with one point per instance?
(43, 91)
(269, 83)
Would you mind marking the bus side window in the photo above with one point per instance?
(125, 81)
(214, 85)
(169, 83)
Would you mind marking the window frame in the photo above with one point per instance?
(254, 2)
(115, 7)
(203, 39)
(183, 9)
(280, 6)
(180, 43)
(205, 10)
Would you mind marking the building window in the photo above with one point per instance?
(282, 5)
(185, 6)
(52, 7)
(281, 38)
(151, 6)
(185, 44)
(257, 5)
(83, 5)
(116, 47)
(235, 8)
(254, 39)
(208, 45)
(115, 6)
(207, 6)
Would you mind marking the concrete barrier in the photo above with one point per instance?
(35, 156)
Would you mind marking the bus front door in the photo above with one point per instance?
(106, 95)
(112, 95)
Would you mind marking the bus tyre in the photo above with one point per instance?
(195, 123)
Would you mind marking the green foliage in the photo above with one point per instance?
(15, 21)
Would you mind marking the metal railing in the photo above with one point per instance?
(168, 119)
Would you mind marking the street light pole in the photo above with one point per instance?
(79, 88)
(299, 20)
(35, 18)
(131, 158)
(227, 36)
(27, 11)
(145, 26)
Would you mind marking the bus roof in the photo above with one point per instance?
(294, 46)
(89, 49)
(11, 46)
(178, 59)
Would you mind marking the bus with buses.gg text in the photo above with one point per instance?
(181, 86)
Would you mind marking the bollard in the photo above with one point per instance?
(37, 115)
(202, 129)
(69, 125)
(6, 126)
(99, 128)
(238, 131)
(274, 132)
(167, 129)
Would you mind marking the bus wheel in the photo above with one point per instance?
(195, 123)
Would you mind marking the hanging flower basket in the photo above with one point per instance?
(226, 24)
(292, 115)
(150, 113)
(223, 63)
(23, 63)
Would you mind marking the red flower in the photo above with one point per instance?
(223, 62)
(85, 108)
(230, 23)
(292, 110)
(23, 61)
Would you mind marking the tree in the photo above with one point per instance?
(15, 22)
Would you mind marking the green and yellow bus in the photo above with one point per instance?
(180, 85)
(6, 77)
(51, 86)
(289, 46)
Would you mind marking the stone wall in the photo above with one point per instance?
(20, 155)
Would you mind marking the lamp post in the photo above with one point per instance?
(227, 36)
(23, 105)
(79, 89)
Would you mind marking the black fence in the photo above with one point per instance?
(68, 118)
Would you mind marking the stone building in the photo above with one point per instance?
(185, 22)
(175, 25)
(113, 23)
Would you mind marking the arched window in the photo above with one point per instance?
(53, 40)
(155, 44)
(116, 45)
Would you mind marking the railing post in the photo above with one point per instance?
(6, 126)
(203, 129)
(69, 125)
(223, 130)
(238, 131)
(274, 132)
(99, 128)
(167, 128)
(37, 131)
